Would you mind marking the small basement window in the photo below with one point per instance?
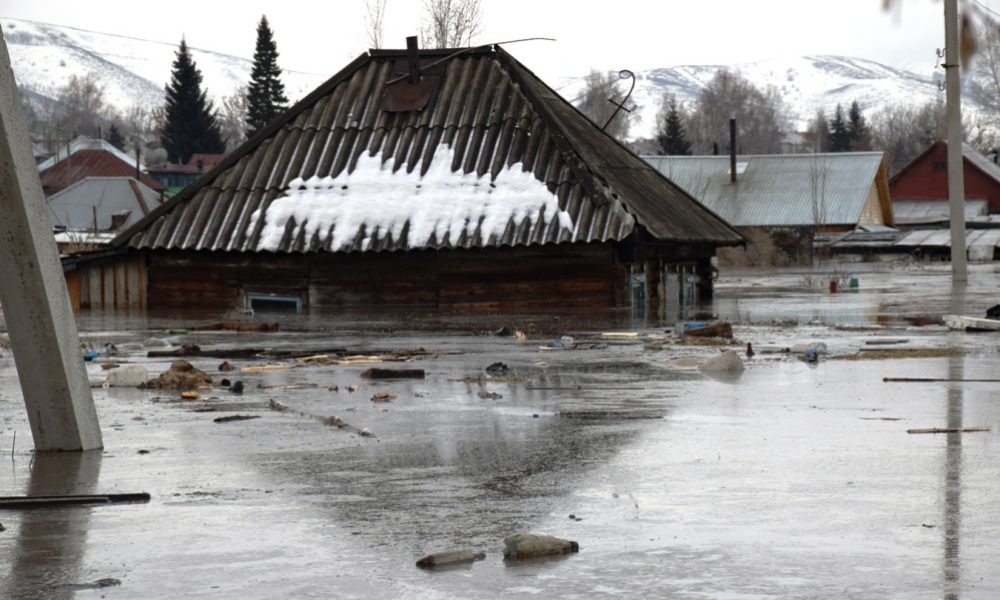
(260, 302)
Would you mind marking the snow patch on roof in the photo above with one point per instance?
(441, 204)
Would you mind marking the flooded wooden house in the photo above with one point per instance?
(435, 178)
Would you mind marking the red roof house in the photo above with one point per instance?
(926, 177)
(90, 163)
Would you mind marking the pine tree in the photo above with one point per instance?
(857, 130)
(189, 124)
(840, 139)
(670, 135)
(265, 94)
(115, 138)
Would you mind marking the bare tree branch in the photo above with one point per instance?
(451, 23)
(375, 22)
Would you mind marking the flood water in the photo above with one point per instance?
(792, 480)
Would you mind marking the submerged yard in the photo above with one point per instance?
(791, 480)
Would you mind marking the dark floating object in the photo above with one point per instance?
(20, 502)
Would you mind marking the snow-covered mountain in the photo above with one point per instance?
(134, 71)
(804, 83)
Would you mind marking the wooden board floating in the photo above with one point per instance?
(949, 430)
(21, 502)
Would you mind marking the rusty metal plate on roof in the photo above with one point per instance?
(404, 96)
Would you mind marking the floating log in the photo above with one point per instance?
(455, 557)
(231, 418)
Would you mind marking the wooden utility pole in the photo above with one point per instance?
(37, 310)
(953, 121)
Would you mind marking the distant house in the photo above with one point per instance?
(176, 177)
(92, 211)
(780, 201)
(89, 158)
(926, 177)
(86, 143)
(438, 179)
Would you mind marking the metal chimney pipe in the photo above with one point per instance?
(732, 150)
(412, 59)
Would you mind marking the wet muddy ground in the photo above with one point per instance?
(792, 480)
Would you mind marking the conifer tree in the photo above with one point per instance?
(670, 135)
(840, 139)
(857, 130)
(115, 138)
(265, 94)
(189, 123)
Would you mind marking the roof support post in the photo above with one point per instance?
(36, 305)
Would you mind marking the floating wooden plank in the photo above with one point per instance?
(374, 373)
(949, 430)
(22, 502)
(237, 326)
(288, 386)
(265, 368)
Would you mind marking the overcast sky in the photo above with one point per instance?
(322, 36)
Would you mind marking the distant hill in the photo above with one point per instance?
(132, 70)
(805, 83)
(135, 70)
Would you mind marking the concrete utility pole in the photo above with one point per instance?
(36, 305)
(953, 120)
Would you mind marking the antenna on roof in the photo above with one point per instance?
(623, 74)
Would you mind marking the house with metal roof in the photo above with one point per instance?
(434, 178)
(92, 211)
(779, 201)
(925, 178)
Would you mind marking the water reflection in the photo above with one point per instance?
(50, 541)
(953, 465)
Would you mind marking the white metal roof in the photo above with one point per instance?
(779, 189)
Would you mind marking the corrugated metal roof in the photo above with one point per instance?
(487, 114)
(89, 163)
(922, 238)
(915, 212)
(778, 190)
(77, 206)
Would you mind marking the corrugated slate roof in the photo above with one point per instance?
(484, 111)
(778, 190)
(89, 163)
(74, 207)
